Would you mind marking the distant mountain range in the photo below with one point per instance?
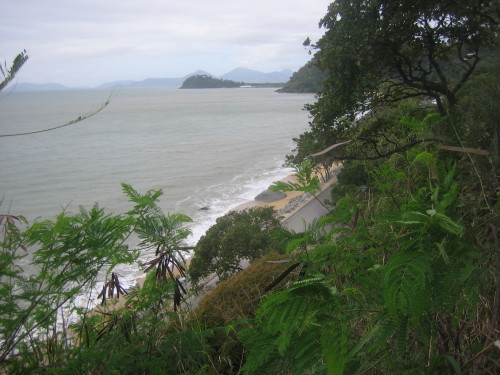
(24, 86)
(239, 74)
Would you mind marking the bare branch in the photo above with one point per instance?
(389, 153)
(331, 148)
(72, 122)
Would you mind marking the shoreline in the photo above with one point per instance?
(287, 209)
(294, 210)
(294, 201)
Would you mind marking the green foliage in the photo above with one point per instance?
(70, 252)
(207, 82)
(375, 55)
(405, 275)
(172, 350)
(304, 326)
(69, 256)
(423, 126)
(309, 143)
(293, 312)
(165, 233)
(383, 51)
(10, 73)
(353, 173)
(72, 244)
(306, 182)
(235, 237)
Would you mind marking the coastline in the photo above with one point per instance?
(294, 201)
(295, 210)
(288, 208)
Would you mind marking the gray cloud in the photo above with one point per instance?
(83, 42)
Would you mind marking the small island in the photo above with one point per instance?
(204, 81)
(207, 82)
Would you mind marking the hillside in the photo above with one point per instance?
(39, 87)
(307, 79)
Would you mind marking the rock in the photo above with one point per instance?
(206, 208)
(269, 196)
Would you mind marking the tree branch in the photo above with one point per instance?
(389, 153)
(10, 73)
(72, 122)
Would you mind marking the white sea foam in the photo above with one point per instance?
(224, 197)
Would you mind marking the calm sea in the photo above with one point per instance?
(213, 148)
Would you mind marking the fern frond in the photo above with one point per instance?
(413, 218)
(445, 223)
(334, 346)
(143, 203)
(442, 251)
(401, 337)
(406, 284)
(293, 313)
(307, 354)
(262, 351)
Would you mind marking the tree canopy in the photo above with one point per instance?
(235, 237)
(382, 51)
(377, 53)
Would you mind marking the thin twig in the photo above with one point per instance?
(72, 122)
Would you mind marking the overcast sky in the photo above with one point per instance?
(89, 42)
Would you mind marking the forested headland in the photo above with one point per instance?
(208, 82)
(401, 277)
(309, 78)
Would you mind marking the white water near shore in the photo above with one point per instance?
(204, 148)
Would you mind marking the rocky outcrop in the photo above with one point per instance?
(268, 196)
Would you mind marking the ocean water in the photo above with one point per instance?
(213, 148)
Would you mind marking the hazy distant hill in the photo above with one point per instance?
(254, 76)
(38, 87)
(239, 75)
(152, 82)
(111, 85)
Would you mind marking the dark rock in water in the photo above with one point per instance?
(206, 208)
(269, 196)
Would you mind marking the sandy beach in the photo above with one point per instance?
(295, 201)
